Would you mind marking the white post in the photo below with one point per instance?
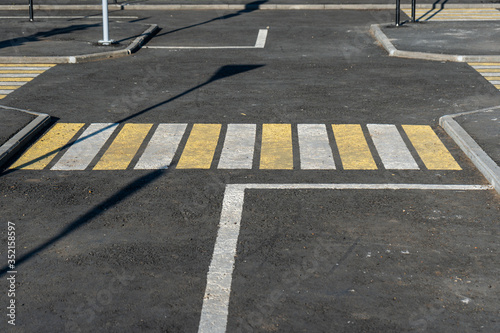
(105, 25)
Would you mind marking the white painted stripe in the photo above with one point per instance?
(494, 82)
(216, 300)
(261, 39)
(4, 68)
(12, 83)
(315, 150)
(162, 147)
(486, 66)
(391, 147)
(199, 47)
(489, 73)
(18, 75)
(70, 17)
(83, 151)
(215, 307)
(5, 92)
(238, 149)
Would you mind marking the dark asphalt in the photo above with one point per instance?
(114, 251)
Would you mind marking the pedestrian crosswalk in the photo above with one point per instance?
(13, 76)
(454, 14)
(111, 146)
(489, 70)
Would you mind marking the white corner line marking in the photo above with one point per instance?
(259, 44)
(215, 309)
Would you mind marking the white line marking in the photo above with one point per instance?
(161, 149)
(259, 44)
(238, 149)
(18, 75)
(494, 82)
(489, 74)
(261, 39)
(5, 92)
(315, 150)
(2, 68)
(12, 83)
(391, 147)
(215, 307)
(70, 17)
(83, 151)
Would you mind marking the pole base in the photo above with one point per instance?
(106, 42)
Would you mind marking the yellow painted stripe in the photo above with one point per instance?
(16, 79)
(353, 148)
(124, 147)
(492, 78)
(27, 65)
(9, 87)
(2, 96)
(20, 71)
(276, 149)
(484, 63)
(488, 70)
(430, 148)
(497, 86)
(45, 149)
(200, 147)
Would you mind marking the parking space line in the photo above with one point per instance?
(259, 44)
(86, 147)
(124, 147)
(215, 308)
(162, 147)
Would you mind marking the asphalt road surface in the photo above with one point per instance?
(357, 238)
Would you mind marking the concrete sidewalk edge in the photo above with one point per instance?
(132, 48)
(242, 6)
(485, 164)
(394, 52)
(24, 136)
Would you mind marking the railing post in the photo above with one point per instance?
(398, 10)
(413, 10)
(31, 10)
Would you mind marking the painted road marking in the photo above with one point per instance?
(353, 148)
(454, 14)
(242, 145)
(124, 147)
(276, 149)
(238, 149)
(12, 76)
(430, 149)
(489, 70)
(200, 147)
(162, 147)
(260, 43)
(86, 147)
(215, 308)
(44, 150)
(315, 150)
(391, 147)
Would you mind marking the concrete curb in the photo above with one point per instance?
(394, 52)
(132, 48)
(478, 156)
(24, 136)
(241, 7)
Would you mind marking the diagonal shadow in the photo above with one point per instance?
(250, 7)
(222, 73)
(41, 35)
(134, 186)
(430, 10)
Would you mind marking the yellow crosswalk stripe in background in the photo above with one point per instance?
(161, 144)
(454, 14)
(13, 76)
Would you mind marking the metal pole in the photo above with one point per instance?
(398, 19)
(31, 10)
(413, 10)
(105, 25)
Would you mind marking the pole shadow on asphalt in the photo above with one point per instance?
(222, 73)
(249, 7)
(131, 188)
